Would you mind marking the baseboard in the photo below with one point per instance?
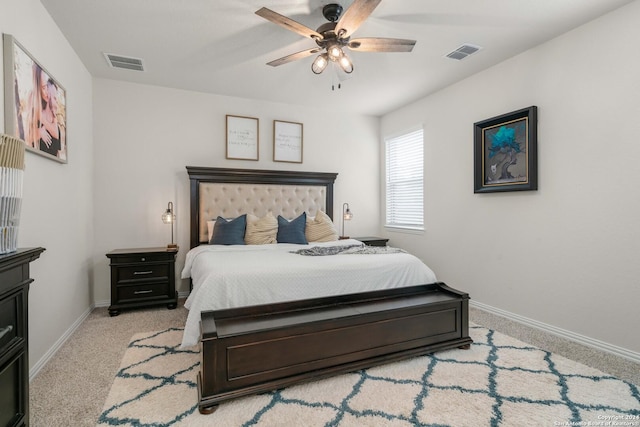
(563, 333)
(58, 344)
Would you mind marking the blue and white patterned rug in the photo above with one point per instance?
(500, 381)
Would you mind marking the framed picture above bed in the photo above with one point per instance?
(505, 152)
(287, 141)
(35, 103)
(242, 138)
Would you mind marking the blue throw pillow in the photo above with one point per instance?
(229, 232)
(292, 231)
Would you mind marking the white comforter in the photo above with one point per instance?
(237, 276)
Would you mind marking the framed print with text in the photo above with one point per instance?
(242, 138)
(287, 141)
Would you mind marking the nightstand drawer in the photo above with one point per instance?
(143, 272)
(148, 291)
(141, 258)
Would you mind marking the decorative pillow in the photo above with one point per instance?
(261, 231)
(292, 231)
(320, 229)
(229, 232)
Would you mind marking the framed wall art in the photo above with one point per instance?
(505, 152)
(287, 141)
(242, 138)
(35, 103)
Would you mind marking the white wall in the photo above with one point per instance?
(57, 211)
(146, 135)
(567, 255)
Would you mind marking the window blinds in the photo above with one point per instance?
(404, 180)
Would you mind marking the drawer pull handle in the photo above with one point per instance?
(148, 291)
(5, 331)
(142, 272)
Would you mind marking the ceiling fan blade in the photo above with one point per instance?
(294, 56)
(354, 16)
(378, 44)
(288, 23)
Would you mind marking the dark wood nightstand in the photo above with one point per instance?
(142, 277)
(373, 241)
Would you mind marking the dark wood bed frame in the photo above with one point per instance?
(250, 350)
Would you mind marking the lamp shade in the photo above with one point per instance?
(348, 215)
(334, 52)
(168, 216)
(320, 63)
(345, 64)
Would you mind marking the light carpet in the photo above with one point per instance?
(500, 381)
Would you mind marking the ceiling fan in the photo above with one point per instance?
(333, 36)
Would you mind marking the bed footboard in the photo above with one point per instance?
(251, 350)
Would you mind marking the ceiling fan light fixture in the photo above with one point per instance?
(345, 64)
(319, 64)
(334, 52)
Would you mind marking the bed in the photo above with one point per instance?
(244, 284)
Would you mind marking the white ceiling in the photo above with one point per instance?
(222, 47)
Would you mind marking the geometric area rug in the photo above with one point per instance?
(500, 381)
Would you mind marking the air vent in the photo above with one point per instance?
(463, 51)
(128, 63)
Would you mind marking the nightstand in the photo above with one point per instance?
(142, 277)
(373, 241)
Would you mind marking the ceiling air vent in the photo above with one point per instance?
(463, 51)
(128, 63)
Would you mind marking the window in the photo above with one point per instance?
(404, 180)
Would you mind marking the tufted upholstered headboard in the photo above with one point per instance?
(229, 192)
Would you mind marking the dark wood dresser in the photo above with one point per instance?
(142, 277)
(14, 339)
